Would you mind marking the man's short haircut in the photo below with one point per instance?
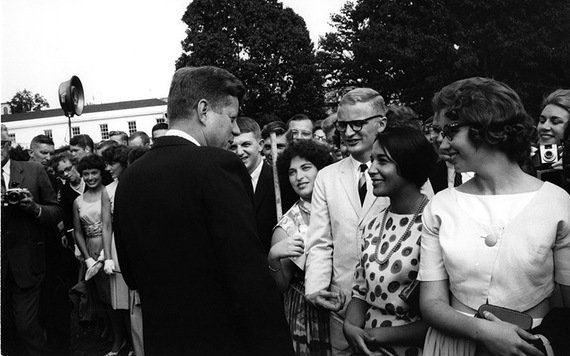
(122, 134)
(192, 84)
(103, 145)
(59, 157)
(415, 157)
(39, 139)
(160, 126)
(402, 116)
(143, 135)
(278, 127)
(365, 95)
(298, 117)
(493, 111)
(247, 124)
(82, 141)
(91, 162)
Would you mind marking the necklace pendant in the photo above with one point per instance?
(491, 239)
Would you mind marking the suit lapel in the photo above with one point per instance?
(349, 184)
(262, 186)
(16, 174)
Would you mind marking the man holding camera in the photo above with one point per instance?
(29, 213)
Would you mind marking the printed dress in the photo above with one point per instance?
(309, 326)
(388, 265)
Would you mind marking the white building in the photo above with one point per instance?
(96, 121)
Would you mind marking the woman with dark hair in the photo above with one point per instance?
(115, 158)
(502, 238)
(91, 212)
(309, 325)
(378, 317)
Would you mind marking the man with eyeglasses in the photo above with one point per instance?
(442, 128)
(342, 199)
(300, 127)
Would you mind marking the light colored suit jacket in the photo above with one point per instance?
(333, 239)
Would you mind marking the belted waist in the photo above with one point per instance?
(538, 311)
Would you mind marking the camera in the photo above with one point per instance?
(546, 156)
(13, 196)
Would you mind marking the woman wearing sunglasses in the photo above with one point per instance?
(502, 238)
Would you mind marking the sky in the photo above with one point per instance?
(120, 49)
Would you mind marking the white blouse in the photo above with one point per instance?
(505, 249)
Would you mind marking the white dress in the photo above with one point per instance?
(119, 289)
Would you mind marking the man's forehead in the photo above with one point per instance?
(245, 137)
(357, 111)
(301, 124)
(44, 147)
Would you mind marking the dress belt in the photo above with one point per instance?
(538, 311)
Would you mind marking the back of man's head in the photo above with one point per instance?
(192, 84)
(120, 137)
(247, 124)
(139, 138)
(82, 141)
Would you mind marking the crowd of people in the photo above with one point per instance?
(368, 232)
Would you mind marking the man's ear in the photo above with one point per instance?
(202, 109)
(382, 124)
(30, 152)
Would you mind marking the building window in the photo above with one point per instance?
(48, 133)
(132, 127)
(5, 110)
(12, 137)
(160, 120)
(104, 131)
(75, 131)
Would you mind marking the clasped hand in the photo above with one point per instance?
(333, 301)
(361, 340)
(291, 247)
(502, 338)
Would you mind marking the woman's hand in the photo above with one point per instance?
(290, 247)
(90, 262)
(333, 301)
(109, 266)
(502, 338)
(356, 337)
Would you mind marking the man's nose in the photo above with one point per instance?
(349, 131)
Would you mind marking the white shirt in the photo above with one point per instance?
(356, 164)
(6, 173)
(184, 135)
(255, 174)
(465, 176)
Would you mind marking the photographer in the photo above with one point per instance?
(553, 120)
(29, 213)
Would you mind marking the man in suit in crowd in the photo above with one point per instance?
(159, 130)
(28, 218)
(342, 200)
(300, 127)
(247, 145)
(186, 236)
(139, 139)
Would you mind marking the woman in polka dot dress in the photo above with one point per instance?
(383, 313)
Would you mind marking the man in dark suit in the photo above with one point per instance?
(248, 145)
(186, 236)
(28, 217)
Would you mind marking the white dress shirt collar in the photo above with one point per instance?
(255, 174)
(184, 135)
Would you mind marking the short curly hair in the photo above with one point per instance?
(493, 111)
(91, 161)
(116, 154)
(316, 153)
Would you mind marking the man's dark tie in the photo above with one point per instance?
(457, 181)
(362, 183)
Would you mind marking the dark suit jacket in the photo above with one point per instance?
(265, 211)
(186, 239)
(24, 235)
(438, 177)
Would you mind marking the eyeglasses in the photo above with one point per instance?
(448, 131)
(355, 125)
(301, 133)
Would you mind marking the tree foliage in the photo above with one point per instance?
(410, 49)
(25, 100)
(263, 44)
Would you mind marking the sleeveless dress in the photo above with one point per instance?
(92, 227)
(387, 267)
(308, 325)
(119, 289)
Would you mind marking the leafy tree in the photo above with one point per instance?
(25, 100)
(410, 49)
(266, 46)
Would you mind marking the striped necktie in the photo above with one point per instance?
(362, 183)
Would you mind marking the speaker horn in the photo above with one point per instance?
(71, 97)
